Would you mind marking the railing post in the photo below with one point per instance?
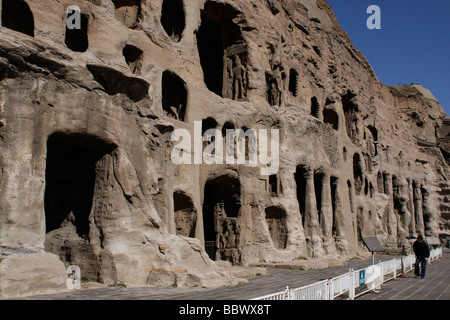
(287, 293)
(403, 265)
(395, 268)
(331, 288)
(381, 274)
(352, 285)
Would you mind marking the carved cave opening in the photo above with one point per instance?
(275, 188)
(223, 51)
(293, 79)
(173, 18)
(276, 222)
(128, 11)
(208, 124)
(174, 96)
(315, 107)
(185, 214)
(273, 92)
(372, 141)
(16, 15)
(70, 180)
(351, 110)
(334, 204)
(380, 182)
(318, 185)
(358, 173)
(77, 39)
(300, 179)
(221, 206)
(350, 195)
(229, 149)
(133, 57)
(331, 118)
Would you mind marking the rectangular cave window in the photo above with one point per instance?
(293, 78)
(351, 111)
(274, 185)
(315, 107)
(331, 118)
(172, 18)
(276, 222)
(208, 124)
(128, 11)
(318, 185)
(133, 57)
(300, 179)
(221, 207)
(70, 177)
(185, 214)
(174, 96)
(335, 202)
(222, 51)
(76, 39)
(16, 15)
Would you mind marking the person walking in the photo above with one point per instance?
(422, 252)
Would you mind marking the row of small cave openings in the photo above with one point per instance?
(221, 46)
(17, 15)
(218, 38)
(222, 50)
(330, 117)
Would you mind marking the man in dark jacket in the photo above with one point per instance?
(422, 252)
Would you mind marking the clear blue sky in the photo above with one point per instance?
(413, 45)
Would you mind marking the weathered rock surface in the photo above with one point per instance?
(86, 118)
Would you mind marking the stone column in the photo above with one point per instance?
(390, 219)
(412, 225)
(418, 210)
(312, 226)
(326, 223)
(430, 209)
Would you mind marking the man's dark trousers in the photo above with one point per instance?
(420, 261)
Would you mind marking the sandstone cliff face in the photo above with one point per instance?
(86, 118)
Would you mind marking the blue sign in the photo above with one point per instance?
(362, 278)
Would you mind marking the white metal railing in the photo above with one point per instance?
(353, 283)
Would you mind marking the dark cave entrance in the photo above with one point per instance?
(77, 39)
(223, 51)
(334, 204)
(318, 186)
(133, 57)
(185, 214)
(128, 11)
(351, 110)
(300, 179)
(293, 79)
(358, 173)
(331, 118)
(174, 96)
(69, 190)
(16, 15)
(276, 222)
(221, 206)
(173, 18)
(315, 107)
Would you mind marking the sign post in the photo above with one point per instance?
(373, 245)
